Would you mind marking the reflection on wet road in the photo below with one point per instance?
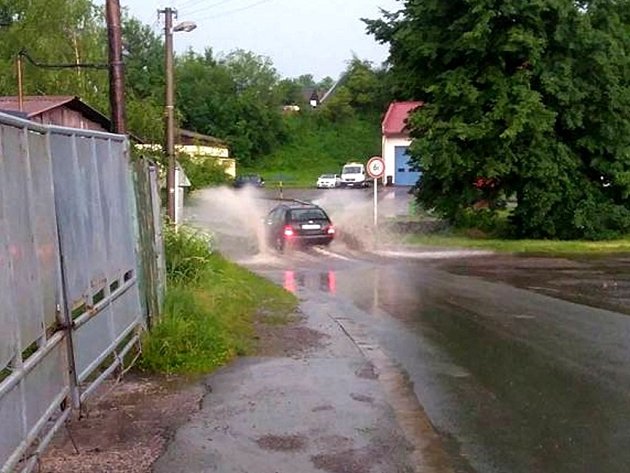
(325, 282)
(520, 382)
(515, 381)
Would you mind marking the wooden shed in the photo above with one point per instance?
(62, 110)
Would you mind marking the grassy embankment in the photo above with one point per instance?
(542, 247)
(210, 309)
(317, 146)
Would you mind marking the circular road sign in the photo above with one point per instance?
(376, 167)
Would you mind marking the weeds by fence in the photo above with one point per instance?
(209, 309)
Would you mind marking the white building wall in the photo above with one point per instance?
(389, 154)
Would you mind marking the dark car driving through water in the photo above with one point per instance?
(298, 224)
(249, 180)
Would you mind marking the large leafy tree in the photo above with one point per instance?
(525, 99)
(233, 97)
(363, 89)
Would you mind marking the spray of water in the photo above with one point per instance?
(234, 216)
(352, 211)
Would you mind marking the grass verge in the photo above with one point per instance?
(209, 310)
(550, 247)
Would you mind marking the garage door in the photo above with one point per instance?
(406, 174)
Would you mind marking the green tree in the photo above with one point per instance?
(235, 98)
(338, 108)
(530, 99)
(364, 85)
(144, 59)
(144, 80)
(54, 31)
(325, 84)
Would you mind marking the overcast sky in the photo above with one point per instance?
(300, 36)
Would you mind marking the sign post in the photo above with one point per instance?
(376, 169)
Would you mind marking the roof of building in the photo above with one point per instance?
(35, 105)
(198, 138)
(395, 121)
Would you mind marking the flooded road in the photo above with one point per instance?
(518, 381)
(512, 379)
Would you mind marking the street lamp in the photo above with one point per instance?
(185, 26)
(169, 105)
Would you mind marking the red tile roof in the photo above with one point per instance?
(395, 121)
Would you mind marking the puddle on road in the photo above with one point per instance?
(322, 282)
(511, 404)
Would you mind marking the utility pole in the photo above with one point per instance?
(169, 109)
(116, 69)
(20, 69)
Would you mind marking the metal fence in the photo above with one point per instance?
(70, 304)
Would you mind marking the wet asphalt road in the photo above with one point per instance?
(512, 380)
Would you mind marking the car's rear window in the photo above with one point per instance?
(304, 215)
(328, 176)
(351, 169)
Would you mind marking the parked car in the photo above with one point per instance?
(298, 224)
(253, 180)
(328, 181)
(354, 175)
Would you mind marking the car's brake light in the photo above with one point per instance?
(331, 230)
(288, 231)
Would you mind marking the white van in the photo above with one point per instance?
(353, 175)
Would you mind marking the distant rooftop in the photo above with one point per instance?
(35, 105)
(395, 121)
(187, 137)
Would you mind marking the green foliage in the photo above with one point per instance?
(367, 87)
(232, 98)
(54, 32)
(203, 172)
(210, 308)
(188, 254)
(188, 339)
(339, 108)
(531, 97)
(144, 60)
(144, 80)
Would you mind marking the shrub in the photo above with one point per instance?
(203, 172)
(209, 308)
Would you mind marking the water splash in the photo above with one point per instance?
(234, 216)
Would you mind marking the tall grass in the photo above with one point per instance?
(209, 310)
(188, 254)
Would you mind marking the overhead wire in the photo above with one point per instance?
(188, 4)
(236, 10)
(202, 9)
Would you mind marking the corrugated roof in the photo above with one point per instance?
(395, 121)
(36, 105)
